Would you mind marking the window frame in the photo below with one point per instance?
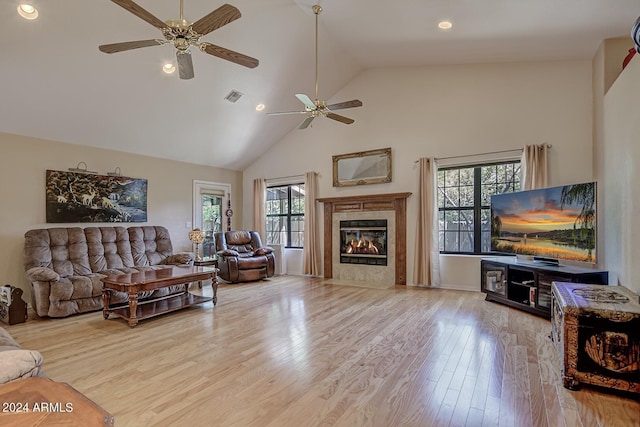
(477, 207)
(288, 215)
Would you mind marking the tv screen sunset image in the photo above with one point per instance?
(558, 222)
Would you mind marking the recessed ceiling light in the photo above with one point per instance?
(260, 107)
(445, 25)
(169, 68)
(27, 11)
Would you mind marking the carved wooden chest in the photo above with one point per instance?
(596, 330)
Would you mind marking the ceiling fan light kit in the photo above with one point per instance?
(316, 107)
(183, 34)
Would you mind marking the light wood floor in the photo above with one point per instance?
(293, 351)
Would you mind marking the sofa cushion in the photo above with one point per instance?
(17, 364)
(62, 249)
(108, 247)
(149, 244)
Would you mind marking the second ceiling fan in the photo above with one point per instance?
(316, 107)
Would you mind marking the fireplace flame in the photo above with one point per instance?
(362, 246)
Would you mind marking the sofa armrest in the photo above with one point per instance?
(184, 258)
(228, 252)
(17, 364)
(42, 274)
(264, 250)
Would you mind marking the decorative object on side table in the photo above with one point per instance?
(12, 308)
(197, 236)
(596, 331)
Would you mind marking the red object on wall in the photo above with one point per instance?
(627, 58)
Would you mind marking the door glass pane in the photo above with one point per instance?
(211, 221)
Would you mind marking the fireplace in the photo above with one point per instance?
(363, 242)
(393, 208)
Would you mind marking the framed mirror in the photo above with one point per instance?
(365, 167)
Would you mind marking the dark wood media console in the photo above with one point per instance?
(526, 285)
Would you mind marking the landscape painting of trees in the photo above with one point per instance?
(84, 197)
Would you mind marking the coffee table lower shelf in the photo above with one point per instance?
(147, 309)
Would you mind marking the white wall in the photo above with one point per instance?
(621, 175)
(607, 67)
(445, 111)
(23, 166)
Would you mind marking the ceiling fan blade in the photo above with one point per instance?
(280, 113)
(229, 55)
(306, 101)
(343, 119)
(347, 104)
(216, 19)
(305, 124)
(141, 13)
(185, 65)
(120, 47)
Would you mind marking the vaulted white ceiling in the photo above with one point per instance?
(57, 85)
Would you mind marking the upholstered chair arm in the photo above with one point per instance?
(271, 264)
(42, 274)
(228, 252)
(264, 250)
(19, 363)
(231, 265)
(184, 258)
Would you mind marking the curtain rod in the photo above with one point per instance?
(301, 175)
(482, 154)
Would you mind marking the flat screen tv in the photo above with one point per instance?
(557, 223)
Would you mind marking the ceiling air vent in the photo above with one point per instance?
(233, 96)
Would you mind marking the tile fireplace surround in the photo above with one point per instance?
(393, 208)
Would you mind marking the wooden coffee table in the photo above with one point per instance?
(39, 401)
(134, 283)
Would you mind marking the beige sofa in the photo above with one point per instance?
(65, 265)
(15, 362)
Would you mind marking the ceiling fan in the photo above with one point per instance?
(184, 34)
(316, 107)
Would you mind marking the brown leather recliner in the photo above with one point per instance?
(242, 258)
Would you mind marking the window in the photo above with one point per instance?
(464, 196)
(285, 215)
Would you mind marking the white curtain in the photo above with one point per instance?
(311, 249)
(426, 270)
(534, 168)
(259, 212)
